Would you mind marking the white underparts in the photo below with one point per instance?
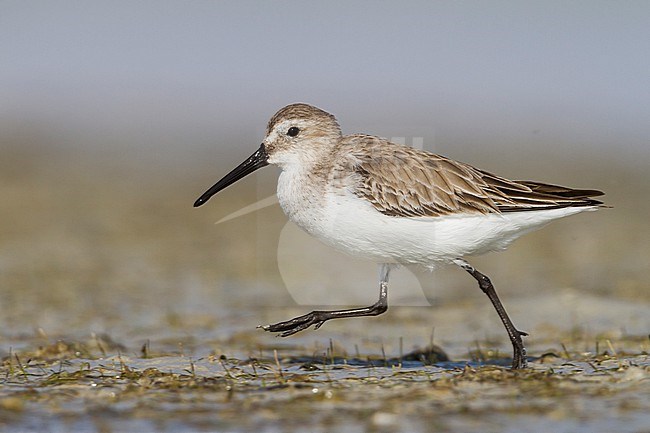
(350, 224)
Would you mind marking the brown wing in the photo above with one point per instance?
(401, 181)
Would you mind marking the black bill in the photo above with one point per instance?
(257, 160)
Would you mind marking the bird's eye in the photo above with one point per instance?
(293, 131)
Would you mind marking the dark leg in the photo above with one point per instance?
(317, 318)
(519, 351)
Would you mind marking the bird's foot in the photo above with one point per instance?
(519, 359)
(297, 324)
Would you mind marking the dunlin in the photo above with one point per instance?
(397, 205)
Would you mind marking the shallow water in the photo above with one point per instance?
(209, 393)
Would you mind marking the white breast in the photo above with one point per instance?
(302, 202)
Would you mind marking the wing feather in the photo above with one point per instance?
(401, 181)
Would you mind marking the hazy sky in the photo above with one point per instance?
(571, 73)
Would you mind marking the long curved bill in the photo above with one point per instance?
(257, 160)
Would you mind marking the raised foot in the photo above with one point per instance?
(297, 324)
(317, 318)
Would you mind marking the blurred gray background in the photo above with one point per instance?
(173, 76)
(115, 116)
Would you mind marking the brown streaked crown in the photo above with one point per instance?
(300, 111)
